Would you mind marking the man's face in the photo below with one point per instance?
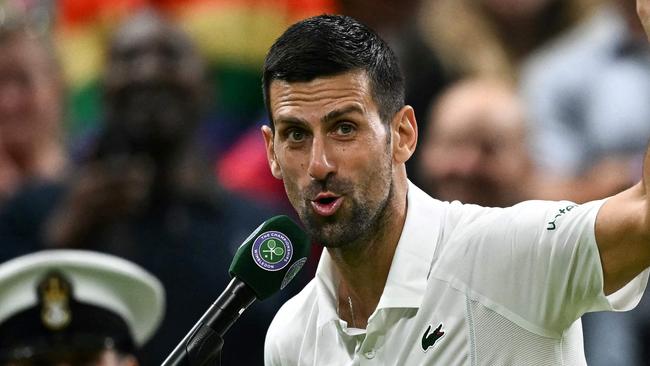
(154, 82)
(333, 153)
(30, 104)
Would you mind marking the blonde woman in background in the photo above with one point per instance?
(31, 107)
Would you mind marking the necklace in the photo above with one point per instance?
(354, 324)
(338, 312)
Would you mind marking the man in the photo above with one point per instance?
(475, 145)
(72, 307)
(406, 279)
(31, 106)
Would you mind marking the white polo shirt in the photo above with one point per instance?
(468, 285)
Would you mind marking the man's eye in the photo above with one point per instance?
(345, 128)
(296, 135)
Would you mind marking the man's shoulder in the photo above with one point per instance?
(296, 312)
(292, 323)
(467, 223)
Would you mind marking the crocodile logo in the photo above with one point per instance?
(429, 339)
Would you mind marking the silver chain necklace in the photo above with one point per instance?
(338, 312)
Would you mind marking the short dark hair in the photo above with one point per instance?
(328, 45)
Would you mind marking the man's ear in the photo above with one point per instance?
(404, 128)
(270, 152)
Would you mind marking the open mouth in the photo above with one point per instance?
(326, 200)
(326, 204)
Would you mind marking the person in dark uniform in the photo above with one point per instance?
(74, 307)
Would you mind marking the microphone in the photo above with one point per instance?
(265, 263)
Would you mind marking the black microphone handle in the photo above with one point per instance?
(203, 343)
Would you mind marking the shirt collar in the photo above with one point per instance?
(409, 271)
(326, 286)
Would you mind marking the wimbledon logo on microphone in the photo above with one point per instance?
(272, 251)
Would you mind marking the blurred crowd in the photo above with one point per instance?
(131, 127)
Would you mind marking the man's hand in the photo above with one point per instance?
(643, 9)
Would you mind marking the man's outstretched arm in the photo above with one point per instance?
(623, 234)
(623, 223)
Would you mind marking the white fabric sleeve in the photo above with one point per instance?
(272, 348)
(536, 263)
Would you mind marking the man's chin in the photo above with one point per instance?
(336, 235)
(324, 232)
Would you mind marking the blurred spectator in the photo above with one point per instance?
(31, 107)
(233, 36)
(478, 38)
(588, 97)
(145, 193)
(475, 146)
(493, 37)
(71, 307)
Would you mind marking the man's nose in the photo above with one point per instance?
(321, 163)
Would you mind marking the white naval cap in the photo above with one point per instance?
(59, 293)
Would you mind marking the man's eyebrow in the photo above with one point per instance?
(341, 112)
(290, 121)
(332, 115)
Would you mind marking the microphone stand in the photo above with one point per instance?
(202, 345)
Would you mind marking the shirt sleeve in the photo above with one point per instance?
(272, 356)
(537, 263)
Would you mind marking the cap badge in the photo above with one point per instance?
(54, 292)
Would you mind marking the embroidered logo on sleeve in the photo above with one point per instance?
(428, 339)
(561, 212)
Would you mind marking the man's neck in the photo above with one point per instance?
(363, 268)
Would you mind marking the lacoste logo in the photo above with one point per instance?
(428, 339)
